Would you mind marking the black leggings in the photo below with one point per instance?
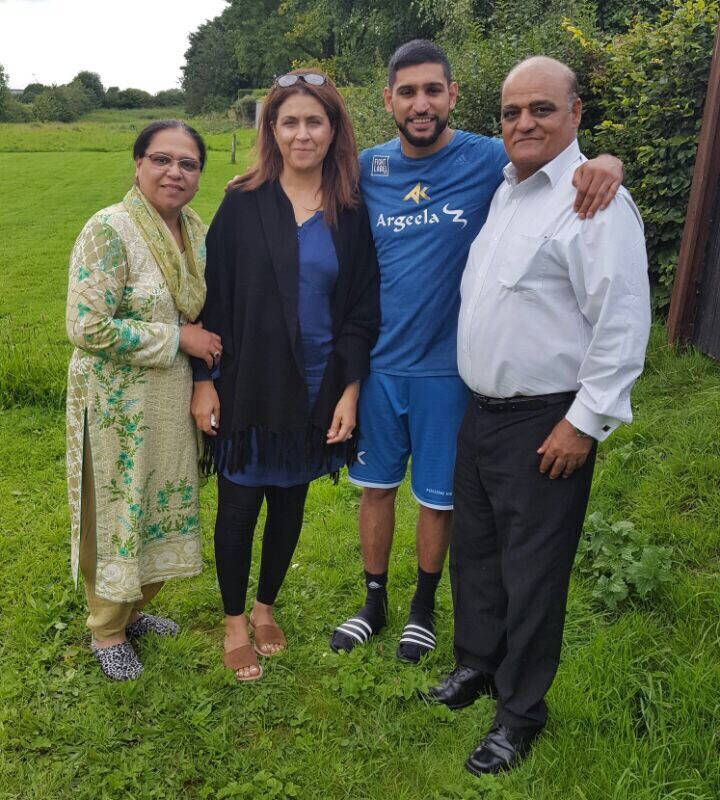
(238, 509)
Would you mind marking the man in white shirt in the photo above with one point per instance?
(554, 322)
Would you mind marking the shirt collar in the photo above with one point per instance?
(553, 170)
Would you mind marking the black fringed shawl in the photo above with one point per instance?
(252, 302)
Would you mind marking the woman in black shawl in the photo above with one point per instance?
(293, 292)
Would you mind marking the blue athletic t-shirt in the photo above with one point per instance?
(424, 214)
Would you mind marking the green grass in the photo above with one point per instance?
(634, 710)
(48, 197)
(111, 130)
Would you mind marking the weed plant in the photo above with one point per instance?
(634, 711)
(621, 560)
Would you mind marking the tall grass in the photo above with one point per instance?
(33, 365)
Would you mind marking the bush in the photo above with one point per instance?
(244, 108)
(16, 111)
(651, 85)
(134, 98)
(61, 103)
(127, 98)
(169, 97)
(371, 122)
(617, 15)
(213, 104)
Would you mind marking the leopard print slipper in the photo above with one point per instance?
(149, 623)
(119, 662)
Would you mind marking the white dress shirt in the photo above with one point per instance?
(552, 303)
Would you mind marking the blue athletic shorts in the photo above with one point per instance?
(400, 416)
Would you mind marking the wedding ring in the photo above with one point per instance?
(216, 355)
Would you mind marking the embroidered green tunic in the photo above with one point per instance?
(130, 386)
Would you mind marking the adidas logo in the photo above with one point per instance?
(461, 159)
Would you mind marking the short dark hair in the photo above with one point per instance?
(146, 134)
(415, 52)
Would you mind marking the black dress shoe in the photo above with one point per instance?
(502, 749)
(462, 687)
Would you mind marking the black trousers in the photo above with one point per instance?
(238, 509)
(515, 534)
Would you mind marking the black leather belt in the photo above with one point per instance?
(521, 402)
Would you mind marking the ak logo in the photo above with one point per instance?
(417, 193)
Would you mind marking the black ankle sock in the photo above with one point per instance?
(375, 608)
(418, 636)
(423, 602)
(369, 619)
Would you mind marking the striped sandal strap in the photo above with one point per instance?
(418, 635)
(357, 628)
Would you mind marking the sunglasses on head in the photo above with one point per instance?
(313, 78)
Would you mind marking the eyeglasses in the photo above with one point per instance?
(313, 78)
(161, 160)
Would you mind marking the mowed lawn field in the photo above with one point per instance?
(635, 709)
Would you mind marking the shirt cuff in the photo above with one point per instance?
(596, 425)
(201, 372)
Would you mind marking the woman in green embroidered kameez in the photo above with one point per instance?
(136, 285)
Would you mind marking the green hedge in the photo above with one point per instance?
(650, 85)
(643, 93)
(366, 108)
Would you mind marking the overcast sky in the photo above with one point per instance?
(138, 43)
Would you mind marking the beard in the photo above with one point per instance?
(429, 139)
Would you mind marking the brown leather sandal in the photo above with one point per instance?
(268, 634)
(240, 658)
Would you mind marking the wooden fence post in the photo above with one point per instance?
(685, 293)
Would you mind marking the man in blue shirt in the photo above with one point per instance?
(428, 193)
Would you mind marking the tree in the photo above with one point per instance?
(31, 91)
(355, 35)
(92, 84)
(259, 34)
(210, 73)
(111, 97)
(252, 41)
(4, 92)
